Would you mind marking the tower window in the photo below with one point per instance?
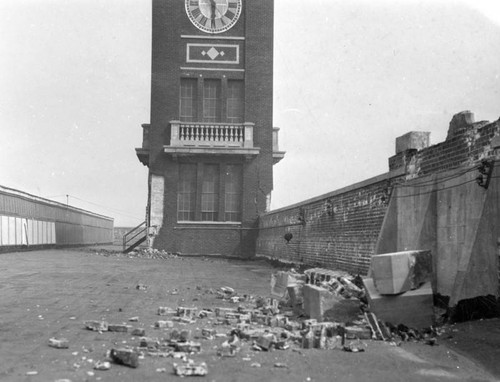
(211, 101)
(209, 192)
(232, 191)
(188, 100)
(186, 192)
(234, 101)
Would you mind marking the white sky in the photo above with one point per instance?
(350, 77)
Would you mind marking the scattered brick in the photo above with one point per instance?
(139, 332)
(164, 324)
(186, 312)
(98, 326)
(191, 369)
(118, 328)
(125, 356)
(166, 311)
(188, 347)
(61, 343)
(100, 365)
(362, 333)
(266, 341)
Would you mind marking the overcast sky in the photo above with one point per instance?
(350, 77)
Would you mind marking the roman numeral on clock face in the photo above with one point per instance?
(193, 3)
(196, 13)
(203, 20)
(229, 14)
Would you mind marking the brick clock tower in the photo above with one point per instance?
(210, 146)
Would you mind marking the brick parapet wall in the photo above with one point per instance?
(336, 230)
(467, 145)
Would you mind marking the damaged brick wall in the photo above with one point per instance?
(336, 230)
(467, 142)
(340, 229)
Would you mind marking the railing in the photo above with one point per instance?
(211, 134)
(134, 237)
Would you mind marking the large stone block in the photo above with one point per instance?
(413, 308)
(317, 301)
(413, 140)
(398, 272)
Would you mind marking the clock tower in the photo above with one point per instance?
(210, 145)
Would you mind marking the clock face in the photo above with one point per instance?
(213, 16)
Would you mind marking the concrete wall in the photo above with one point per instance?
(344, 228)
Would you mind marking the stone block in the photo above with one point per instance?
(416, 140)
(398, 272)
(413, 308)
(317, 301)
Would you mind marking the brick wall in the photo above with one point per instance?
(336, 230)
(340, 229)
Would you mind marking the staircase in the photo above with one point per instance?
(134, 237)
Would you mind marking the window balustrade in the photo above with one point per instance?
(211, 134)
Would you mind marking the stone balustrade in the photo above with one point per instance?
(191, 134)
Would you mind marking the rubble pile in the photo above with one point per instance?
(151, 253)
(246, 324)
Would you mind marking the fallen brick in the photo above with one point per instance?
(124, 356)
(59, 343)
(99, 365)
(266, 341)
(308, 339)
(222, 312)
(188, 347)
(164, 324)
(98, 326)
(166, 311)
(186, 320)
(205, 313)
(186, 312)
(149, 343)
(139, 332)
(118, 328)
(208, 333)
(185, 335)
(362, 333)
(191, 369)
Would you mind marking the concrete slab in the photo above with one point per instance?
(413, 308)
